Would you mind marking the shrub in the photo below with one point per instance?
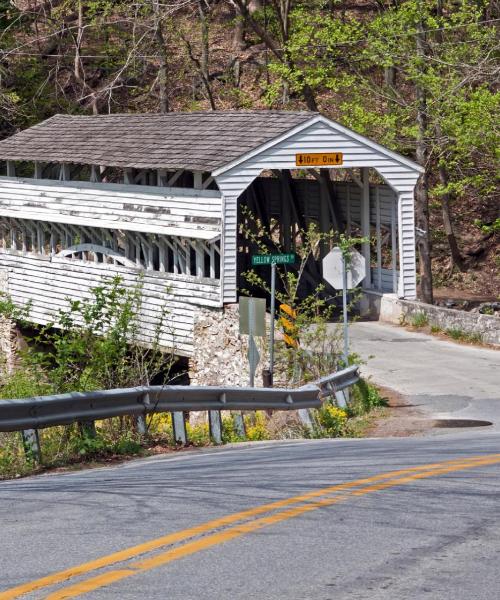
(229, 433)
(331, 420)
(364, 398)
(419, 319)
(199, 434)
(462, 336)
(256, 427)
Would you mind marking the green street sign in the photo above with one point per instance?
(277, 259)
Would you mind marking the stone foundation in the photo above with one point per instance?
(8, 345)
(220, 352)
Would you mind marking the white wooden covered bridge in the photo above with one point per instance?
(160, 195)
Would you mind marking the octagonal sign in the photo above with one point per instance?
(332, 268)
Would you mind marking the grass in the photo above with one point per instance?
(419, 320)
(460, 335)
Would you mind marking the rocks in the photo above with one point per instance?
(220, 352)
(8, 345)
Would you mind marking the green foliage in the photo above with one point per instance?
(489, 228)
(256, 426)
(229, 433)
(331, 421)
(419, 319)
(94, 344)
(459, 335)
(364, 397)
(319, 351)
(198, 434)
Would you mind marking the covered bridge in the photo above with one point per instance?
(161, 195)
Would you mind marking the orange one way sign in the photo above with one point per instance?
(319, 159)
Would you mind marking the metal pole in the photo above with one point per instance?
(344, 303)
(344, 396)
(251, 343)
(273, 310)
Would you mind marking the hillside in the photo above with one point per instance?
(418, 76)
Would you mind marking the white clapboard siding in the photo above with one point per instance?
(125, 207)
(321, 135)
(48, 283)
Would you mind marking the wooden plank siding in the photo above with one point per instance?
(179, 212)
(321, 135)
(49, 281)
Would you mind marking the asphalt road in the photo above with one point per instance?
(433, 533)
(445, 380)
(327, 519)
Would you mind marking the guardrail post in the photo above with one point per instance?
(87, 428)
(239, 425)
(305, 418)
(215, 426)
(140, 421)
(341, 398)
(179, 427)
(31, 443)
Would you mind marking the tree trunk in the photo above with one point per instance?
(276, 46)
(164, 105)
(456, 255)
(422, 191)
(204, 57)
(390, 76)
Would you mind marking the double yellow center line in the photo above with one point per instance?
(227, 528)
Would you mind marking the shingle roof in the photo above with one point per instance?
(198, 141)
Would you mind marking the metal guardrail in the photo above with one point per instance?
(336, 382)
(30, 414)
(62, 409)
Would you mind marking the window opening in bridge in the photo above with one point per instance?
(76, 243)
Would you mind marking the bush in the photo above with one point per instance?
(419, 319)
(331, 421)
(229, 433)
(364, 398)
(199, 434)
(256, 427)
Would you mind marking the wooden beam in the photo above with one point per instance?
(128, 176)
(394, 247)
(64, 172)
(207, 182)
(379, 239)
(11, 168)
(95, 174)
(197, 180)
(365, 224)
(175, 177)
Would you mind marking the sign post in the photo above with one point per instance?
(252, 323)
(273, 260)
(271, 326)
(341, 275)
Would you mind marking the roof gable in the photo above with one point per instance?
(343, 134)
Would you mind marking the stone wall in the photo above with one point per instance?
(394, 310)
(8, 345)
(220, 352)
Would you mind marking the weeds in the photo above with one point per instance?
(419, 320)
(460, 335)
